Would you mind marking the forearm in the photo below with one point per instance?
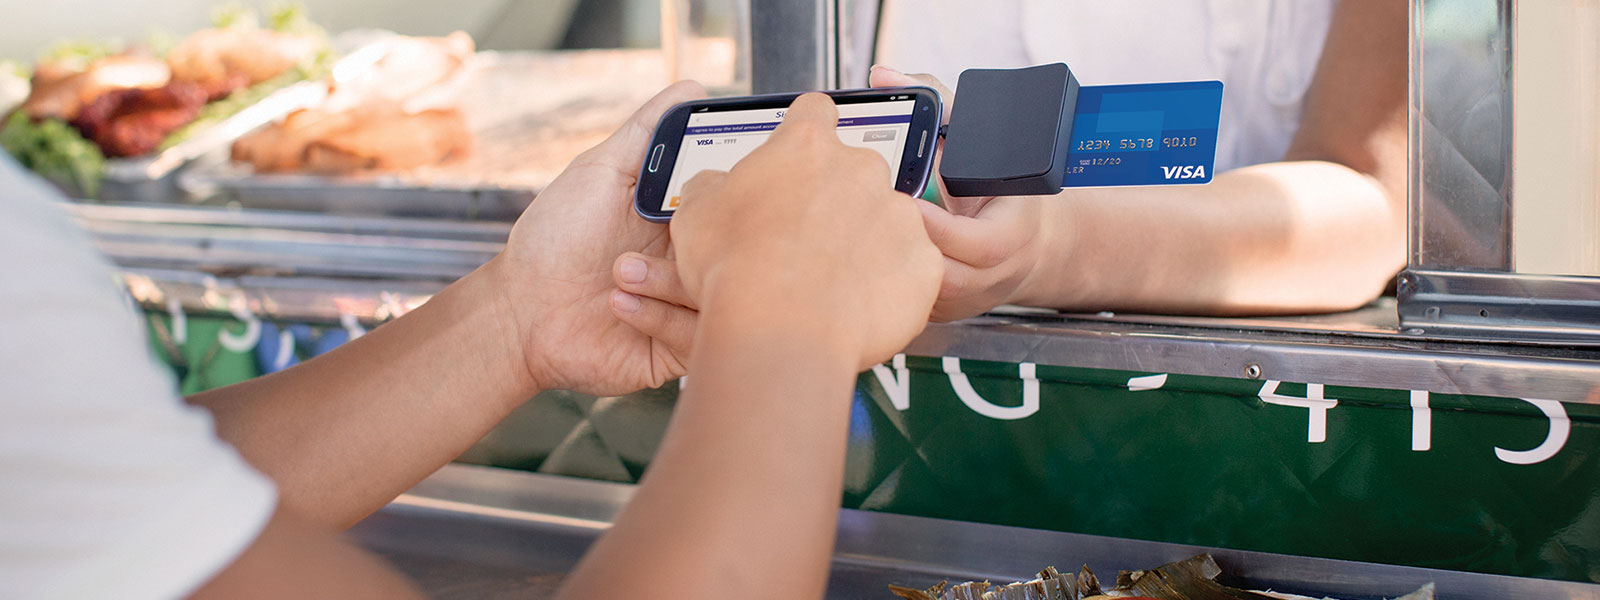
(742, 498)
(295, 559)
(344, 433)
(1276, 238)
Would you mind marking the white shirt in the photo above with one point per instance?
(110, 486)
(1264, 51)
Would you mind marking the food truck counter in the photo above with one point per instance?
(1448, 436)
(1333, 438)
(1366, 347)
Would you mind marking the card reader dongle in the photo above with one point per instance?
(1009, 131)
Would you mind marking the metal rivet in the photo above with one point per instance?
(1252, 371)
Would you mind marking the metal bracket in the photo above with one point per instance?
(1511, 307)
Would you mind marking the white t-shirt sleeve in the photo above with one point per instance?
(110, 486)
(944, 37)
(1265, 52)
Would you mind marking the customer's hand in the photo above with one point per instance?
(809, 235)
(990, 243)
(556, 272)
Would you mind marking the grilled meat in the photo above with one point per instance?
(282, 146)
(392, 144)
(61, 92)
(131, 122)
(223, 60)
(377, 136)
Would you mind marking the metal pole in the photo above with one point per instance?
(794, 45)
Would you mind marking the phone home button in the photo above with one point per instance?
(655, 157)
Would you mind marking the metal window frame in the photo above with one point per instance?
(1457, 295)
(794, 45)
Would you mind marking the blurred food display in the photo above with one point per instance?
(375, 116)
(424, 126)
(89, 101)
(377, 136)
(270, 111)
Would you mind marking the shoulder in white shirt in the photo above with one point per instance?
(112, 486)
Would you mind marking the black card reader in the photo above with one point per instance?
(1009, 131)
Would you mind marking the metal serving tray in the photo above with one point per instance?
(530, 113)
(355, 196)
(281, 265)
(153, 178)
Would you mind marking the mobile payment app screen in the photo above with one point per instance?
(716, 140)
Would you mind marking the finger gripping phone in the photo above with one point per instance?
(901, 124)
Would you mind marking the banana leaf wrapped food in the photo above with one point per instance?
(1192, 579)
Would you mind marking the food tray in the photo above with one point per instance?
(153, 178)
(530, 114)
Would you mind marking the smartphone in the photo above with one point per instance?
(901, 124)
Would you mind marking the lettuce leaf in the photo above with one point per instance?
(55, 151)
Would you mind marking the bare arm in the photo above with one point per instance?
(1276, 238)
(1322, 230)
(742, 498)
(293, 559)
(743, 494)
(343, 434)
(346, 432)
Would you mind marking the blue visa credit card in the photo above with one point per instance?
(1144, 134)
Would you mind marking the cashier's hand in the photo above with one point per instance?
(807, 235)
(989, 242)
(556, 272)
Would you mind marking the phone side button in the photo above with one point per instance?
(922, 143)
(655, 157)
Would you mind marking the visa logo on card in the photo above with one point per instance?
(1144, 134)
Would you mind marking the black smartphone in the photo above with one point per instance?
(901, 124)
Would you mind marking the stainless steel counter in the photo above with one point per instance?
(293, 262)
(1363, 348)
(472, 532)
(477, 532)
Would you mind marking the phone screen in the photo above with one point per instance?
(717, 137)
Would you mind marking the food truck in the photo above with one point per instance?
(1445, 433)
